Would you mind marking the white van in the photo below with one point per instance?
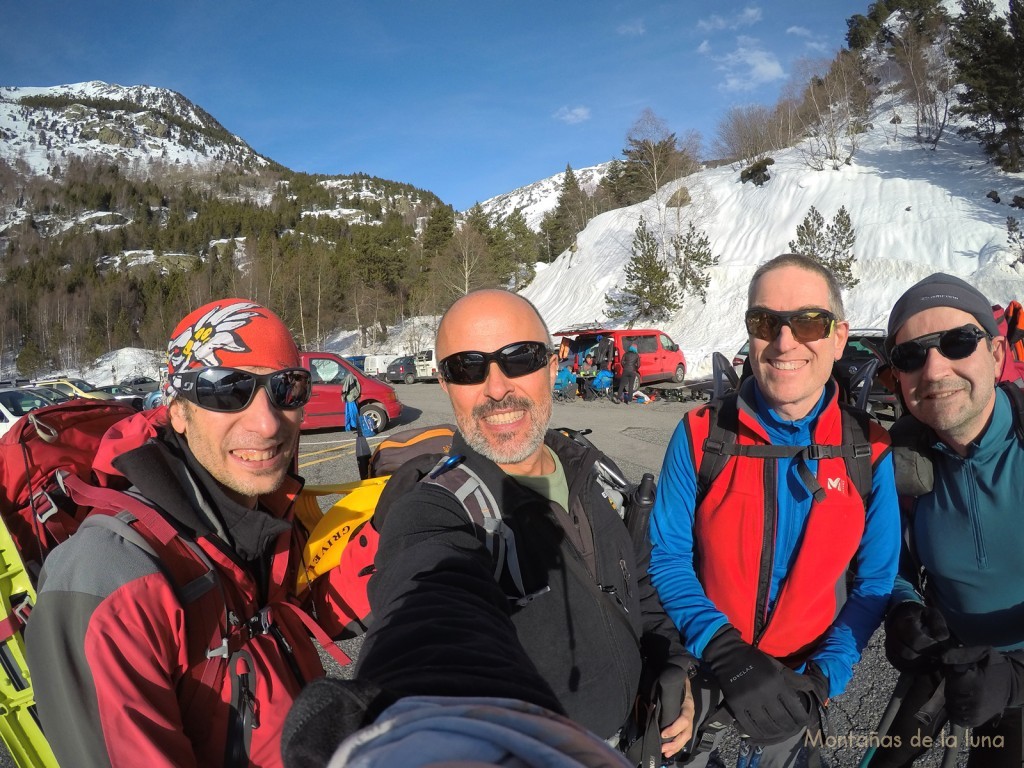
(426, 365)
(377, 365)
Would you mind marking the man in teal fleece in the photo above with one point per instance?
(966, 531)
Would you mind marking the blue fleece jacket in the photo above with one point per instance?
(969, 535)
(672, 568)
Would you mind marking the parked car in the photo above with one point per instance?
(426, 365)
(152, 400)
(140, 384)
(52, 395)
(402, 369)
(326, 408)
(75, 388)
(660, 357)
(377, 365)
(125, 394)
(15, 403)
(862, 346)
(359, 361)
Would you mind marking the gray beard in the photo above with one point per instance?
(513, 448)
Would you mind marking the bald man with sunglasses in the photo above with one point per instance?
(959, 470)
(166, 633)
(589, 609)
(751, 561)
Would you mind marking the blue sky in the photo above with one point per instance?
(466, 99)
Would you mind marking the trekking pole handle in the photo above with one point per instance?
(671, 689)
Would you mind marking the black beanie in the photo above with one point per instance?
(940, 290)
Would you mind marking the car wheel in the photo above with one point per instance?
(377, 416)
(679, 375)
(410, 378)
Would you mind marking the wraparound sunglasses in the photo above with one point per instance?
(228, 390)
(514, 360)
(954, 344)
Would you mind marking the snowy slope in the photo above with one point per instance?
(915, 212)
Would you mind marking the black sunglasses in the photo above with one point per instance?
(514, 360)
(806, 324)
(954, 344)
(228, 390)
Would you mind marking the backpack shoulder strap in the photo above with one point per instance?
(863, 447)
(482, 510)
(1016, 395)
(710, 451)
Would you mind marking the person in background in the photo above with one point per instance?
(588, 370)
(961, 463)
(752, 563)
(165, 635)
(629, 380)
(351, 391)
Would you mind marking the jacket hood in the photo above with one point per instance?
(124, 436)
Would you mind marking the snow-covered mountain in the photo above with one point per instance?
(135, 126)
(538, 198)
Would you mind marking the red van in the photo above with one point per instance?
(660, 357)
(326, 409)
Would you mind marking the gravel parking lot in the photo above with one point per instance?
(635, 436)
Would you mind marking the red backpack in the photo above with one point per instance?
(55, 471)
(36, 511)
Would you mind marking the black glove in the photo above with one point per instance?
(915, 637)
(767, 708)
(980, 683)
(814, 681)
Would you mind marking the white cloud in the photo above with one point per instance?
(632, 28)
(704, 47)
(745, 18)
(572, 115)
(750, 65)
(799, 31)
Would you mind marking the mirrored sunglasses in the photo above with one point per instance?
(954, 344)
(806, 325)
(228, 390)
(514, 360)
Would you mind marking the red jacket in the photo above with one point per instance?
(736, 540)
(125, 647)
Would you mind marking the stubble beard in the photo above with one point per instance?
(513, 447)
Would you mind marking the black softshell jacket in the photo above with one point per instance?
(582, 639)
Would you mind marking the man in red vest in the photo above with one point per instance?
(766, 500)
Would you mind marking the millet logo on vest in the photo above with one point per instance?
(836, 484)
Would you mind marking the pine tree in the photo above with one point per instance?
(560, 225)
(810, 238)
(989, 55)
(1015, 239)
(839, 240)
(515, 250)
(832, 246)
(694, 260)
(649, 293)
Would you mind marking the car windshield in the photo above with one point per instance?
(20, 402)
(858, 349)
(83, 385)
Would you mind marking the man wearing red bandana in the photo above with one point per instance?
(165, 633)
